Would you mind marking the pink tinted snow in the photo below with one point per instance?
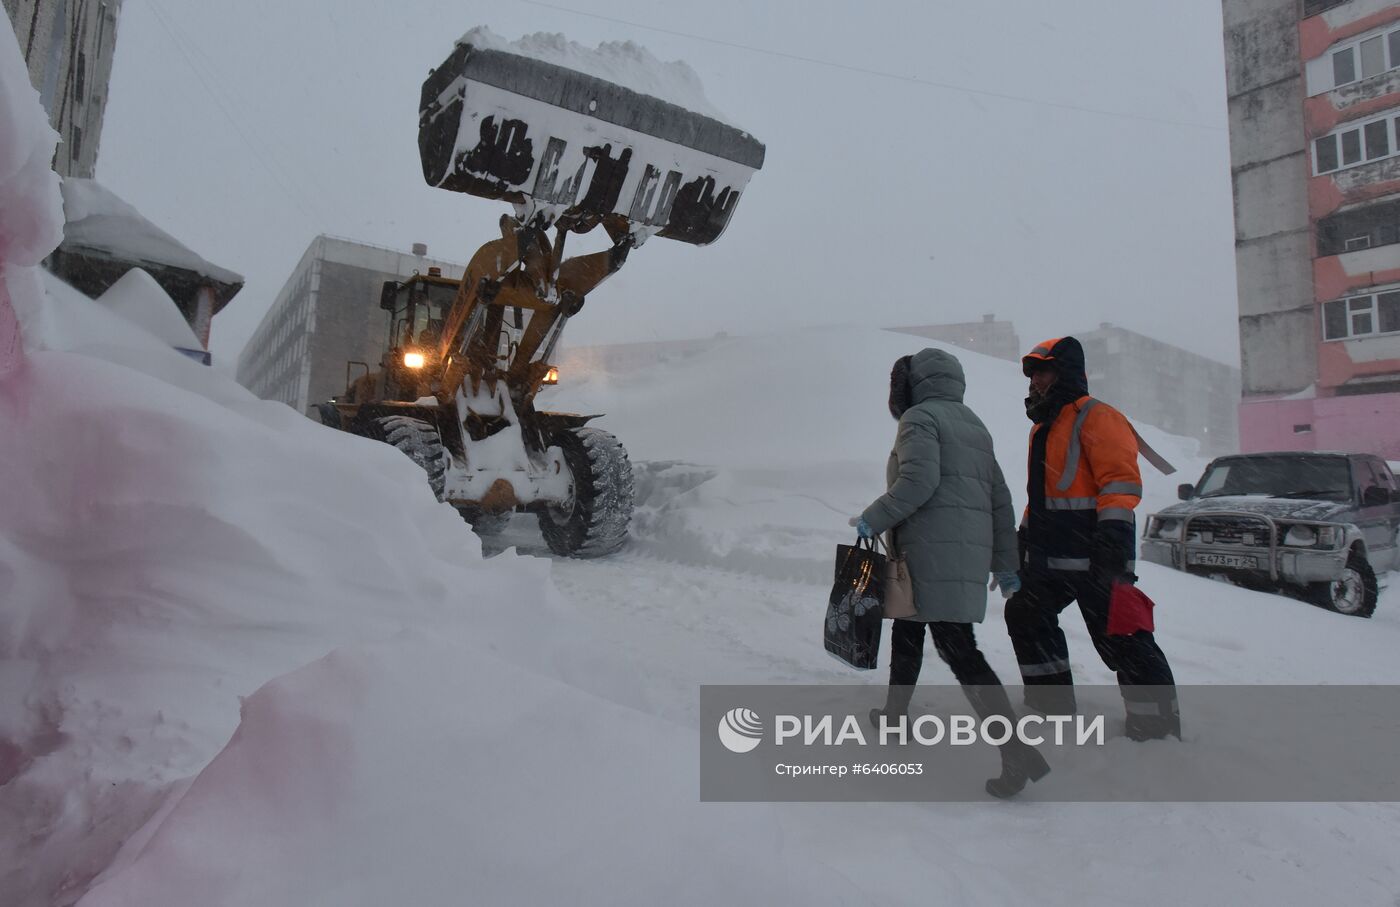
(345, 785)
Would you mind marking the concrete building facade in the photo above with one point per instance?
(988, 336)
(326, 316)
(68, 46)
(1176, 390)
(1152, 382)
(1314, 109)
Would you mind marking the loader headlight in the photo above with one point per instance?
(413, 360)
(552, 376)
(1168, 530)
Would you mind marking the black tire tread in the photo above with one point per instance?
(419, 440)
(603, 493)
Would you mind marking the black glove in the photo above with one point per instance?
(1113, 548)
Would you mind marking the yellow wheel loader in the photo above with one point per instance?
(455, 389)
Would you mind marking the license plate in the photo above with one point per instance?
(1223, 560)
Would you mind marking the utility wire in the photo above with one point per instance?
(882, 74)
(287, 184)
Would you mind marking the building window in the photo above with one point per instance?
(1374, 224)
(1362, 316)
(1377, 139)
(1356, 143)
(1351, 147)
(1354, 61)
(1325, 155)
(1362, 320)
(1343, 66)
(1313, 7)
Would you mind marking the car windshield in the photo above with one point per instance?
(1324, 478)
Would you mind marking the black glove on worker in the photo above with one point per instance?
(1112, 550)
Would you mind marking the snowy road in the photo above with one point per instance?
(690, 625)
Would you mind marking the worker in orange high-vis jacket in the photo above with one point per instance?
(1078, 539)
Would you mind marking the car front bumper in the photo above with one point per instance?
(1287, 564)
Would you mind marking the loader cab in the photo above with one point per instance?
(418, 309)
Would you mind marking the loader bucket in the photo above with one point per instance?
(574, 148)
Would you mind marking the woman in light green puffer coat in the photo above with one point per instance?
(949, 513)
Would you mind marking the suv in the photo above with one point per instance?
(1323, 524)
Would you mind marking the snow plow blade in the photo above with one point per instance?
(573, 148)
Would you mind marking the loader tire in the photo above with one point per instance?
(594, 521)
(416, 438)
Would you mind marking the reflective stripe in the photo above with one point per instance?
(1116, 513)
(1067, 563)
(1071, 503)
(1072, 455)
(1133, 707)
(1046, 668)
(1040, 351)
(1133, 488)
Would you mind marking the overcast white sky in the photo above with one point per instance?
(248, 128)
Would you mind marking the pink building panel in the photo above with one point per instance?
(1366, 424)
(1277, 425)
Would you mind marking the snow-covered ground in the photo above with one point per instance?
(248, 660)
(425, 726)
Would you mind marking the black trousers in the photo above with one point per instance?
(957, 646)
(1033, 620)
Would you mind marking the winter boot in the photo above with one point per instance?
(1020, 762)
(897, 700)
(1153, 727)
(1152, 713)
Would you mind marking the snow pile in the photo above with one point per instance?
(170, 544)
(139, 299)
(510, 789)
(753, 453)
(98, 220)
(623, 63)
(30, 220)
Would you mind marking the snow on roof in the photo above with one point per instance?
(624, 63)
(100, 221)
(139, 299)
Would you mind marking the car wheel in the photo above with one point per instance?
(1353, 593)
